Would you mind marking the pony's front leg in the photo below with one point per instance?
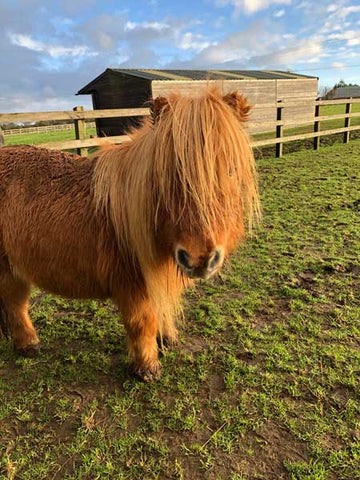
(141, 325)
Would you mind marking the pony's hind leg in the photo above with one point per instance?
(14, 317)
(141, 325)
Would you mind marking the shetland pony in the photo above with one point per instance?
(136, 223)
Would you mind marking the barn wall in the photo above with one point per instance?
(257, 92)
(290, 90)
(116, 91)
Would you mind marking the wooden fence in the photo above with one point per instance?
(81, 143)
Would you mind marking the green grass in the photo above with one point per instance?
(45, 137)
(265, 383)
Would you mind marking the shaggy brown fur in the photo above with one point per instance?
(108, 226)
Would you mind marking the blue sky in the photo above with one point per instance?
(49, 50)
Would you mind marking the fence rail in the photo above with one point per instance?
(72, 115)
(43, 128)
(78, 116)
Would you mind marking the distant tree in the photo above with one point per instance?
(342, 83)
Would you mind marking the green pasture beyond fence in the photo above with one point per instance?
(330, 117)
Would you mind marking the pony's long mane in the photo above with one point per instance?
(192, 164)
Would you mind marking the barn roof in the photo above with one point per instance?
(193, 75)
(347, 92)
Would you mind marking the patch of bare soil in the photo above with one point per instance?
(260, 455)
(270, 448)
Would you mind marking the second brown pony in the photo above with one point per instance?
(136, 223)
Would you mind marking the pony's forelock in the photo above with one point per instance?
(203, 163)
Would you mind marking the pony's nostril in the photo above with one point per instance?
(183, 257)
(214, 260)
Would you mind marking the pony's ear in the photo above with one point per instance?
(157, 106)
(239, 104)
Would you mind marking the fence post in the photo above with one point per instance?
(2, 138)
(317, 127)
(347, 122)
(279, 130)
(80, 129)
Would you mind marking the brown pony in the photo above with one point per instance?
(135, 223)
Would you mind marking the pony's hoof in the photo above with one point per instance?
(148, 374)
(29, 351)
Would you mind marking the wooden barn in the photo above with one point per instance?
(126, 88)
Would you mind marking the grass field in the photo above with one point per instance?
(44, 137)
(265, 382)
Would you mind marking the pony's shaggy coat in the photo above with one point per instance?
(107, 226)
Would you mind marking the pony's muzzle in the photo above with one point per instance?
(204, 267)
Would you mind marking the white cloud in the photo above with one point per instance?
(331, 27)
(339, 66)
(279, 13)
(150, 25)
(55, 51)
(352, 37)
(130, 25)
(250, 6)
(352, 9)
(348, 54)
(314, 60)
(342, 11)
(304, 4)
(191, 41)
(105, 40)
(261, 46)
(354, 41)
(308, 50)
